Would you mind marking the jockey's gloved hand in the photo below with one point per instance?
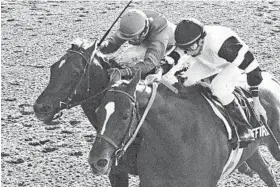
(127, 72)
(154, 77)
(104, 44)
(179, 73)
(259, 109)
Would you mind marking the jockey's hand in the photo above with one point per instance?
(127, 72)
(179, 73)
(104, 44)
(259, 109)
(154, 77)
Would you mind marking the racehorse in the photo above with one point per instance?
(80, 78)
(184, 143)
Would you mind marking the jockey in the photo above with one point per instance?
(217, 50)
(150, 33)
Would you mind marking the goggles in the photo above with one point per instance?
(189, 48)
(140, 37)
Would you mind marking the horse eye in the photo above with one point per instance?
(75, 74)
(126, 116)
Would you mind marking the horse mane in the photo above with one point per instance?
(81, 44)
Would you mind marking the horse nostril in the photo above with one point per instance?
(42, 108)
(102, 162)
(46, 108)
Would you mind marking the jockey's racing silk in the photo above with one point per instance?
(221, 47)
(159, 36)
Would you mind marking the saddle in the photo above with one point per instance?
(244, 98)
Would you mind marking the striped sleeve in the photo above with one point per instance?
(173, 56)
(237, 53)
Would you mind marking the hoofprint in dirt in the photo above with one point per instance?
(36, 33)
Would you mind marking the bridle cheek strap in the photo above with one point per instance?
(149, 105)
(122, 149)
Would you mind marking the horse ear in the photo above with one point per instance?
(90, 50)
(133, 83)
(93, 46)
(115, 76)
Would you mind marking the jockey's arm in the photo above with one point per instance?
(111, 44)
(171, 59)
(233, 51)
(237, 53)
(152, 59)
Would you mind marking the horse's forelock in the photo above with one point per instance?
(81, 43)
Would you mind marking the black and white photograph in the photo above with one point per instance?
(131, 93)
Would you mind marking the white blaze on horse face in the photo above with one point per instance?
(61, 63)
(110, 109)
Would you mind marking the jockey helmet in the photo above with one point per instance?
(188, 31)
(132, 24)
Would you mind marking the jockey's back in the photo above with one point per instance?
(160, 28)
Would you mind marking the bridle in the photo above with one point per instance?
(66, 104)
(134, 118)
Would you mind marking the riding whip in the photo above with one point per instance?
(107, 32)
(271, 133)
(268, 129)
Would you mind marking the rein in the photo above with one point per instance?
(150, 103)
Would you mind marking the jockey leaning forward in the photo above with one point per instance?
(218, 51)
(150, 33)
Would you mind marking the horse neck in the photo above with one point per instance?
(96, 91)
(98, 78)
(165, 115)
(177, 127)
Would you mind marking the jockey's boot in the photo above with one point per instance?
(243, 128)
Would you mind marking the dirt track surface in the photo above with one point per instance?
(37, 33)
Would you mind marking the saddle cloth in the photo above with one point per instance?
(244, 99)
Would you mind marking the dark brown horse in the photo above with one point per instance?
(80, 78)
(184, 143)
(75, 80)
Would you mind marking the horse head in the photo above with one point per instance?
(117, 116)
(75, 77)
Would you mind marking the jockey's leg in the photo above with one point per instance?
(132, 55)
(222, 86)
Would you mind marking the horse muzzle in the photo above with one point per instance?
(100, 166)
(44, 112)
